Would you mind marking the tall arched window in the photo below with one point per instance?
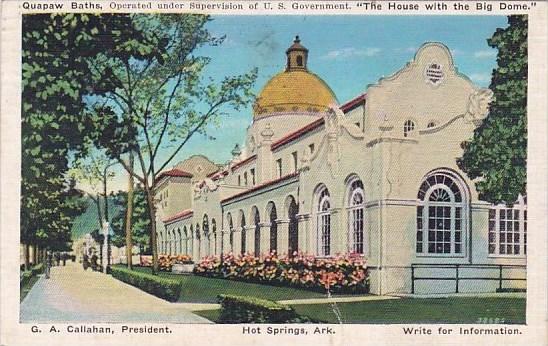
(355, 206)
(242, 225)
(324, 222)
(205, 227)
(179, 241)
(408, 128)
(273, 229)
(230, 232)
(185, 234)
(214, 231)
(191, 241)
(441, 215)
(198, 240)
(292, 212)
(257, 247)
(299, 60)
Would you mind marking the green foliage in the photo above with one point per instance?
(243, 309)
(161, 287)
(140, 221)
(55, 123)
(497, 154)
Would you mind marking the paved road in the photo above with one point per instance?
(75, 295)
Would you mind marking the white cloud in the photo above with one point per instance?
(480, 77)
(483, 54)
(350, 52)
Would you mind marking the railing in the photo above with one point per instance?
(458, 278)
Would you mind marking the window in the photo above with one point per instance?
(245, 178)
(239, 180)
(273, 229)
(355, 216)
(252, 171)
(431, 124)
(324, 222)
(299, 60)
(279, 167)
(295, 161)
(242, 224)
(257, 244)
(205, 227)
(293, 210)
(508, 229)
(230, 232)
(441, 215)
(311, 147)
(198, 240)
(214, 232)
(408, 128)
(358, 124)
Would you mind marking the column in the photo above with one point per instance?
(283, 236)
(265, 238)
(305, 241)
(250, 239)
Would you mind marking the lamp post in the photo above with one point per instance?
(106, 247)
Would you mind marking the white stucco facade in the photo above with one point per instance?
(376, 176)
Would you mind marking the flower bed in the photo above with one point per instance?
(166, 262)
(341, 274)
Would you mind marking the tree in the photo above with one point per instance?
(160, 103)
(497, 154)
(56, 75)
(139, 219)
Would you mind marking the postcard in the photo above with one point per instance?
(258, 172)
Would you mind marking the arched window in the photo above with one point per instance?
(408, 128)
(431, 124)
(299, 60)
(441, 215)
(191, 236)
(273, 229)
(257, 249)
(292, 212)
(242, 225)
(355, 206)
(214, 231)
(205, 227)
(185, 234)
(230, 232)
(198, 240)
(324, 222)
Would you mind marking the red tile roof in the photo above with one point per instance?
(354, 103)
(295, 135)
(241, 163)
(174, 173)
(179, 216)
(261, 186)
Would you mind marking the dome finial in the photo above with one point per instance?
(297, 39)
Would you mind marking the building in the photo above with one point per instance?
(375, 176)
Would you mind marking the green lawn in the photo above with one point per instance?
(198, 289)
(418, 310)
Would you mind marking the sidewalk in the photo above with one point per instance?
(75, 295)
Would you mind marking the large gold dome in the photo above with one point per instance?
(295, 89)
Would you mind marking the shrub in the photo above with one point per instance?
(161, 287)
(38, 269)
(243, 309)
(165, 262)
(342, 274)
(25, 278)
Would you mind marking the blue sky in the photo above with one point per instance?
(348, 52)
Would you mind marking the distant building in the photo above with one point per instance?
(375, 176)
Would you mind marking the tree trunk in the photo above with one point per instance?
(152, 212)
(129, 214)
(34, 254)
(105, 213)
(27, 256)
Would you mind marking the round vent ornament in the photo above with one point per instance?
(434, 74)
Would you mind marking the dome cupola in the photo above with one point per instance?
(295, 90)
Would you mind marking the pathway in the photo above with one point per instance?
(75, 295)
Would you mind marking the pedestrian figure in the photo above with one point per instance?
(48, 264)
(94, 264)
(64, 259)
(85, 262)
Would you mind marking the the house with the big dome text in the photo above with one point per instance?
(375, 176)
